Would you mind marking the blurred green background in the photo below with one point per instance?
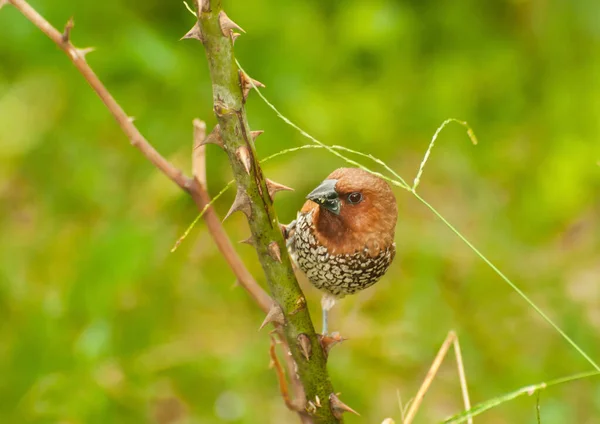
(100, 323)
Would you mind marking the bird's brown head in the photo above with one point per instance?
(353, 209)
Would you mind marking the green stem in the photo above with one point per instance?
(402, 183)
(510, 283)
(238, 143)
(527, 390)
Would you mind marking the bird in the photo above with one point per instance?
(343, 237)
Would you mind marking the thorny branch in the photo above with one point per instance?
(231, 86)
(199, 172)
(332, 408)
(189, 185)
(196, 187)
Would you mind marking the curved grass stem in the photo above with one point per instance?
(400, 182)
(527, 390)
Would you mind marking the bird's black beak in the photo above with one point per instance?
(326, 196)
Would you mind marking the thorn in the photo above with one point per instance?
(317, 401)
(274, 251)
(311, 407)
(131, 118)
(274, 187)
(234, 36)
(214, 138)
(227, 25)
(241, 203)
(249, 241)
(338, 407)
(66, 35)
(243, 155)
(327, 342)
(193, 33)
(275, 315)
(305, 346)
(255, 134)
(247, 84)
(82, 53)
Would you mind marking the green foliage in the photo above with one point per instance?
(101, 323)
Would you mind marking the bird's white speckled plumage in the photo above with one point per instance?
(339, 274)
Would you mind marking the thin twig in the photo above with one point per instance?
(435, 366)
(198, 193)
(451, 339)
(77, 56)
(283, 387)
(461, 375)
(297, 387)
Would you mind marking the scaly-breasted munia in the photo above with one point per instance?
(343, 238)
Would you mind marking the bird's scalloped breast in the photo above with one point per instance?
(340, 274)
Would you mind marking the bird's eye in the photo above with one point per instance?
(355, 197)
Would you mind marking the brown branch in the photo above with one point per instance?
(283, 388)
(197, 191)
(77, 56)
(196, 186)
(297, 404)
(200, 195)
